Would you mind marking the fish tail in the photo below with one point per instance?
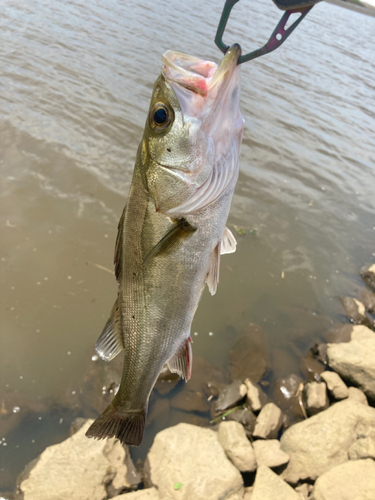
(127, 426)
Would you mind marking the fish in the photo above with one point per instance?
(172, 231)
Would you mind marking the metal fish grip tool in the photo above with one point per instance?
(280, 33)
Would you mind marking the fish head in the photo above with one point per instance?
(193, 122)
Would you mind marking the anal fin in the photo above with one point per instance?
(110, 343)
(182, 361)
(213, 274)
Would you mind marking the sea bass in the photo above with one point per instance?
(172, 231)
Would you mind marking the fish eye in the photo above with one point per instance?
(160, 117)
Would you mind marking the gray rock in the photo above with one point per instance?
(354, 361)
(245, 417)
(354, 309)
(255, 397)
(147, 494)
(268, 422)
(368, 299)
(368, 275)
(166, 381)
(362, 448)
(231, 395)
(316, 397)
(354, 480)
(269, 486)
(233, 439)
(269, 453)
(190, 401)
(356, 394)
(79, 469)
(323, 441)
(249, 357)
(335, 385)
(194, 457)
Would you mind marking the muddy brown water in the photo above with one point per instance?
(75, 84)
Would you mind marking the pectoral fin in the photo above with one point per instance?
(180, 230)
(110, 343)
(228, 242)
(213, 275)
(118, 246)
(182, 361)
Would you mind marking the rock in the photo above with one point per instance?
(361, 332)
(233, 439)
(147, 494)
(79, 469)
(286, 391)
(368, 299)
(190, 401)
(354, 361)
(231, 395)
(303, 490)
(323, 441)
(362, 448)
(269, 486)
(255, 397)
(248, 493)
(269, 453)
(249, 357)
(316, 397)
(194, 457)
(368, 275)
(311, 367)
(269, 422)
(348, 481)
(159, 407)
(356, 394)
(338, 333)
(76, 425)
(245, 417)
(166, 381)
(207, 378)
(319, 351)
(354, 309)
(335, 385)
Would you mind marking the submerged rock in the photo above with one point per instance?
(368, 275)
(338, 333)
(190, 401)
(233, 439)
(269, 453)
(286, 395)
(335, 385)
(316, 397)
(311, 367)
(269, 486)
(354, 361)
(166, 381)
(231, 395)
(191, 456)
(351, 480)
(268, 422)
(323, 441)
(249, 357)
(79, 469)
(368, 299)
(354, 309)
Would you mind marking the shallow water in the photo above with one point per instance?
(74, 91)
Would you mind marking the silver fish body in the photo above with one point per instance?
(172, 231)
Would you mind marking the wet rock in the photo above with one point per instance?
(231, 395)
(194, 457)
(286, 395)
(166, 381)
(351, 480)
(268, 422)
(147, 494)
(354, 309)
(249, 357)
(304, 490)
(245, 417)
(368, 299)
(338, 333)
(335, 385)
(79, 469)
(159, 408)
(255, 397)
(355, 394)
(362, 448)
(207, 378)
(269, 486)
(368, 275)
(311, 367)
(269, 453)
(190, 401)
(354, 361)
(316, 397)
(233, 439)
(323, 441)
(319, 351)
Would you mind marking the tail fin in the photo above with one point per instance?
(128, 427)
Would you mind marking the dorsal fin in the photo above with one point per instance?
(228, 242)
(182, 361)
(180, 230)
(213, 274)
(118, 246)
(110, 343)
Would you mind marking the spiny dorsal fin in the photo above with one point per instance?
(180, 230)
(110, 343)
(118, 246)
(213, 275)
(182, 361)
(228, 242)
